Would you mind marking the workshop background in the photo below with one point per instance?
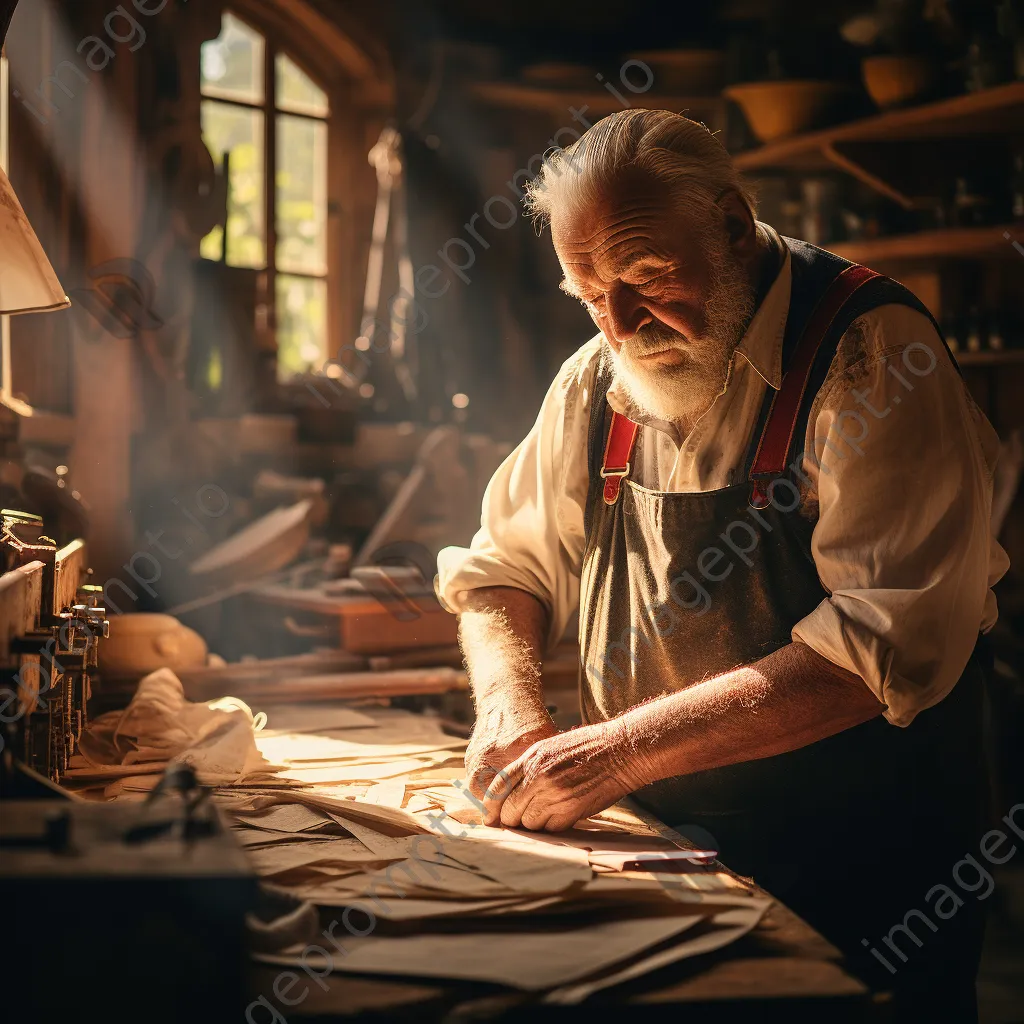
(309, 318)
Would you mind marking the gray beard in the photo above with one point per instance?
(681, 394)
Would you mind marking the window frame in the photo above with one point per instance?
(271, 112)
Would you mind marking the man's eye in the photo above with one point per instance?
(654, 284)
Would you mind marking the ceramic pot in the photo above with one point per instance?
(777, 110)
(142, 642)
(893, 81)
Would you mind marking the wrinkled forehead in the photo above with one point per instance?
(630, 217)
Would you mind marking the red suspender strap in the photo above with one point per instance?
(773, 448)
(617, 452)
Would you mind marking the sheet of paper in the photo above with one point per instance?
(418, 803)
(318, 718)
(720, 930)
(408, 909)
(255, 837)
(376, 814)
(391, 847)
(683, 887)
(394, 725)
(522, 869)
(341, 852)
(391, 792)
(88, 773)
(430, 878)
(533, 960)
(290, 817)
(345, 772)
(424, 868)
(292, 748)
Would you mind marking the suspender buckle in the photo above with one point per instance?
(613, 482)
(759, 490)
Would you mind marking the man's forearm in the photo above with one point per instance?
(502, 633)
(789, 699)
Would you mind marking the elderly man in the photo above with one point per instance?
(767, 490)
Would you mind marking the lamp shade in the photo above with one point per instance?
(27, 281)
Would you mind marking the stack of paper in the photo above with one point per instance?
(365, 813)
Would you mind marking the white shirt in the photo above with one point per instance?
(902, 542)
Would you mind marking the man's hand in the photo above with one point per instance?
(564, 778)
(499, 737)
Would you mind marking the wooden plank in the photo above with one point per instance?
(431, 657)
(227, 677)
(110, 201)
(956, 243)
(998, 110)
(262, 547)
(750, 978)
(350, 995)
(303, 21)
(20, 592)
(517, 96)
(434, 485)
(370, 628)
(1005, 358)
(845, 162)
(70, 569)
(408, 503)
(366, 626)
(20, 597)
(337, 686)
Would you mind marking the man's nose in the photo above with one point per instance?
(626, 314)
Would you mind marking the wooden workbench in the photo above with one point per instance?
(782, 970)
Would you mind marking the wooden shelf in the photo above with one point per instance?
(992, 111)
(597, 101)
(949, 243)
(1007, 357)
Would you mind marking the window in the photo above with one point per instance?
(269, 119)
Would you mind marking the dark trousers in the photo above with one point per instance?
(872, 866)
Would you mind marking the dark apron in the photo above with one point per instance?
(853, 830)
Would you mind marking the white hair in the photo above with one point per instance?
(682, 153)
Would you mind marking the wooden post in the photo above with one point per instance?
(105, 379)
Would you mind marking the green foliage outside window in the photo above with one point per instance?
(234, 112)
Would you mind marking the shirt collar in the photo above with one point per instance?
(761, 344)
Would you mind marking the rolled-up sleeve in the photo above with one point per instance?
(531, 525)
(902, 542)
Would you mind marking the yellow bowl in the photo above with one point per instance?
(777, 110)
(892, 81)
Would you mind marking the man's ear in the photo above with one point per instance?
(739, 223)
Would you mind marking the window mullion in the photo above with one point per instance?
(212, 94)
(270, 166)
